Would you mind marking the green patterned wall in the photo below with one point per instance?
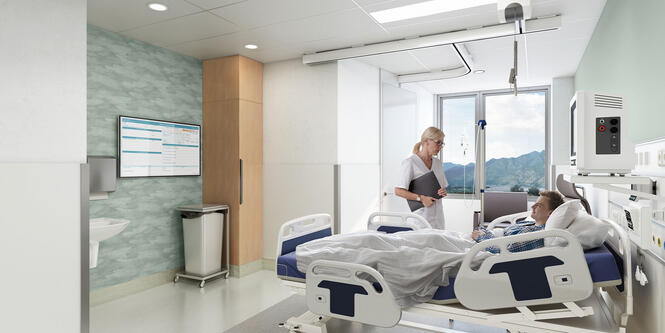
(128, 77)
(624, 57)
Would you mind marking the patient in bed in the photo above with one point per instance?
(547, 202)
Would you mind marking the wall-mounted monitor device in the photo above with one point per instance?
(598, 139)
(148, 148)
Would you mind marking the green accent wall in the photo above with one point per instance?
(625, 57)
(132, 78)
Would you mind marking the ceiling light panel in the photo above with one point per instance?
(158, 7)
(426, 8)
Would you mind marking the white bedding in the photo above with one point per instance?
(414, 264)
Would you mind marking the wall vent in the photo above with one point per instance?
(606, 101)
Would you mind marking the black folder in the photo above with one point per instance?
(426, 184)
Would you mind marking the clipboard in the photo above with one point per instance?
(426, 184)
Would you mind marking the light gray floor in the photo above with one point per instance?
(184, 308)
(267, 321)
(222, 304)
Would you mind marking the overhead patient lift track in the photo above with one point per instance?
(374, 304)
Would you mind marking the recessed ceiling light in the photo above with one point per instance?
(251, 46)
(425, 9)
(158, 7)
(479, 71)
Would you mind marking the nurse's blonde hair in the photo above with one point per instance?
(431, 133)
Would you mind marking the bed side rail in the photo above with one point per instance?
(544, 275)
(301, 230)
(391, 222)
(344, 290)
(512, 218)
(624, 250)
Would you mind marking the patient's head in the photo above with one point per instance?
(546, 204)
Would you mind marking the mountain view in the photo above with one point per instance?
(525, 173)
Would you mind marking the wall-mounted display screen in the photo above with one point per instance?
(148, 148)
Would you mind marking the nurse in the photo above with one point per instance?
(421, 162)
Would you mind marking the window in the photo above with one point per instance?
(515, 144)
(458, 118)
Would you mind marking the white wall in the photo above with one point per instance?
(425, 107)
(43, 140)
(358, 111)
(299, 143)
(563, 90)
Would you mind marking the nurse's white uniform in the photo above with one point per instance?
(414, 167)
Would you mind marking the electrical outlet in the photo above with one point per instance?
(661, 158)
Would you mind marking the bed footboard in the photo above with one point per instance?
(352, 292)
(302, 230)
(515, 279)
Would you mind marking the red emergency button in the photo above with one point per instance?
(602, 128)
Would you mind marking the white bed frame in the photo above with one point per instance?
(471, 288)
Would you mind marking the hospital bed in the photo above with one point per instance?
(567, 289)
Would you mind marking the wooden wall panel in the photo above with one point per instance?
(251, 80)
(251, 214)
(233, 130)
(251, 152)
(251, 131)
(221, 165)
(221, 79)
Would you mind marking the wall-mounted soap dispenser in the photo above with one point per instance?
(103, 174)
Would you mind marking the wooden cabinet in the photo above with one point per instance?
(233, 131)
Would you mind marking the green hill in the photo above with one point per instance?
(502, 174)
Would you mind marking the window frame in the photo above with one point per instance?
(480, 114)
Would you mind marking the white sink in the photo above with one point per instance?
(102, 229)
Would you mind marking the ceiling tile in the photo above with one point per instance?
(437, 58)
(119, 15)
(396, 63)
(210, 4)
(214, 47)
(334, 25)
(182, 29)
(258, 13)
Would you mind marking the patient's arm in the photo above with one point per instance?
(481, 235)
(527, 245)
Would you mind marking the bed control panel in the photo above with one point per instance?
(563, 279)
(608, 135)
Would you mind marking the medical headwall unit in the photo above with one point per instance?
(233, 151)
(599, 143)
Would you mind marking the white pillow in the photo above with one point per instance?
(590, 231)
(563, 215)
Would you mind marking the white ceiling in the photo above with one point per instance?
(287, 29)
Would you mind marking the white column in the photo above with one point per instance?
(43, 140)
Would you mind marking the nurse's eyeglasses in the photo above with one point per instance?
(438, 142)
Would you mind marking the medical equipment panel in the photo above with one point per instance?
(635, 218)
(651, 158)
(599, 143)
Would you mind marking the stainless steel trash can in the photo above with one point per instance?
(203, 235)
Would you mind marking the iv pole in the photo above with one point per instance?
(480, 167)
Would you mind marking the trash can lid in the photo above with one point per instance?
(202, 208)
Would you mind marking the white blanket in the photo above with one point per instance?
(414, 264)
